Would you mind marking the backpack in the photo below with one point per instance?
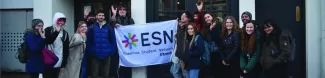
(206, 54)
(23, 52)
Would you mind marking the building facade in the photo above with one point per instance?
(304, 18)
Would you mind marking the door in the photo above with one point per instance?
(13, 24)
(283, 12)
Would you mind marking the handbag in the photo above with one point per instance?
(49, 58)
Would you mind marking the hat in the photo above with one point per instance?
(36, 22)
(247, 13)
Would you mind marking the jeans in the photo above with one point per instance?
(192, 73)
(100, 67)
(175, 69)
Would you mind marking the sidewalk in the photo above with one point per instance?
(14, 75)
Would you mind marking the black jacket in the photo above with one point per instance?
(276, 50)
(230, 47)
(180, 43)
(122, 20)
(51, 34)
(194, 53)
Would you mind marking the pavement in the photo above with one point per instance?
(14, 75)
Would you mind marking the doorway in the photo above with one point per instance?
(289, 15)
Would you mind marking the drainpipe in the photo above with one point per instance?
(323, 39)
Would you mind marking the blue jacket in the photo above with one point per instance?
(194, 53)
(35, 45)
(101, 42)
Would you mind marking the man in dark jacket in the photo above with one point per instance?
(101, 45)
(121, 18)
(117, 20)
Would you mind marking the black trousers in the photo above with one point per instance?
(231, 71)
(212, 70)
(204, 72)
(277, 71)
(51, 72)
(254, 73)
(33, 75)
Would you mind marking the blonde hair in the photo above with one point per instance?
(79, 25)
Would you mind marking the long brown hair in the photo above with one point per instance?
(235, 27)
(248, 45)
(186, 35)
(205, 28)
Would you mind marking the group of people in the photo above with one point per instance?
(246, 52)
(87, 53)
(241, 52)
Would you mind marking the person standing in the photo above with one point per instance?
(120, 17)
(58, 42)
(275, 51)
(178, 66)
(77, 49)
(229, 49)
(35, 40)
(251, 51)
(194, 49)
(210, 32)
(101, 45)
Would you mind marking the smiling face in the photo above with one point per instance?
(61, 21)
(208, 18)
(245, 18)
(122, 11)
(83, 28)
(100, 17)
(268, 29)
(249, 28)
(229, 24)
(190, 30)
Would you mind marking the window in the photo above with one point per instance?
(171, 9)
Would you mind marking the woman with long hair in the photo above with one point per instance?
(194, 50)
(251, 51)
(77, 49)
(229, 50)
(210, 32)
(275, 50)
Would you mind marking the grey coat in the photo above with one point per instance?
(77, 48)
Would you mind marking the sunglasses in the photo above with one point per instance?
(62, 19)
